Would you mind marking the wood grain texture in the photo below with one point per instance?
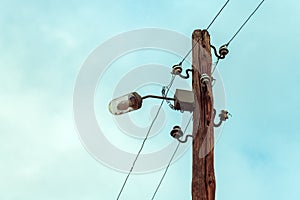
(203, 182)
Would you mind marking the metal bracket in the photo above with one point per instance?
(223, 51)
(177, 134)
(224, 115)
(177, 70)
(163, 92)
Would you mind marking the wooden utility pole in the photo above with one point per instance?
(203, 183)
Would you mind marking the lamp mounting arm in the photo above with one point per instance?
(158, 97)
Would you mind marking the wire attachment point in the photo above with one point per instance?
(223, 51)
(177, 70)
(177, 134)
(205, 79)
(224, 115)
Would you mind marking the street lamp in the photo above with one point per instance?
(183, 100)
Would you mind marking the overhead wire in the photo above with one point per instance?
(170, 161)
(188, 53)
(238, 31)
(245, 23)
(216, 63)
(214, 19)
(146, 137)
(217, 15)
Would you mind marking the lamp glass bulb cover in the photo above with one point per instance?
(125, 104)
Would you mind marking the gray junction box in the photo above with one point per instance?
(184, 100)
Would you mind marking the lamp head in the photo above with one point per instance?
(125, 104)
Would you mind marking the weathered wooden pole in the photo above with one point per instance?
(203, 182)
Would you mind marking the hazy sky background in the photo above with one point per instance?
(42, 47)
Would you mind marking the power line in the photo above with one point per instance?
(226, 45)
(188, 53)
(245, 22)
(217, 15)
(172, 157)
(140, 150)
(216, 63)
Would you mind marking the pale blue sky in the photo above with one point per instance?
(42, 47)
